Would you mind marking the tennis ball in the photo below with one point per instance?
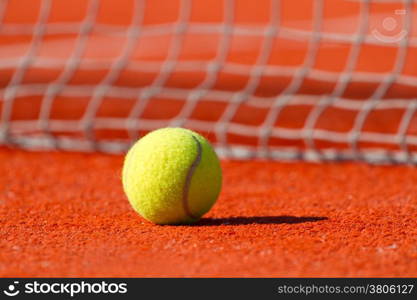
(172, 176)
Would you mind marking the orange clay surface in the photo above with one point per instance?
(65, 214)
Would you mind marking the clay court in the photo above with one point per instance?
(311, 106)
(65, 214)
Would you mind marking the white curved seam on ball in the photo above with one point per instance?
(188, 179)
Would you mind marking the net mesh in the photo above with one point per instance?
(274, 79)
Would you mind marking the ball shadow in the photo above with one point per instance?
(234, 221)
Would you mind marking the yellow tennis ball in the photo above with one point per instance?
(172, 175)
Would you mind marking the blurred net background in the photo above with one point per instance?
(273, 79)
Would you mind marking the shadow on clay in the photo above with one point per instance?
(233, 221)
